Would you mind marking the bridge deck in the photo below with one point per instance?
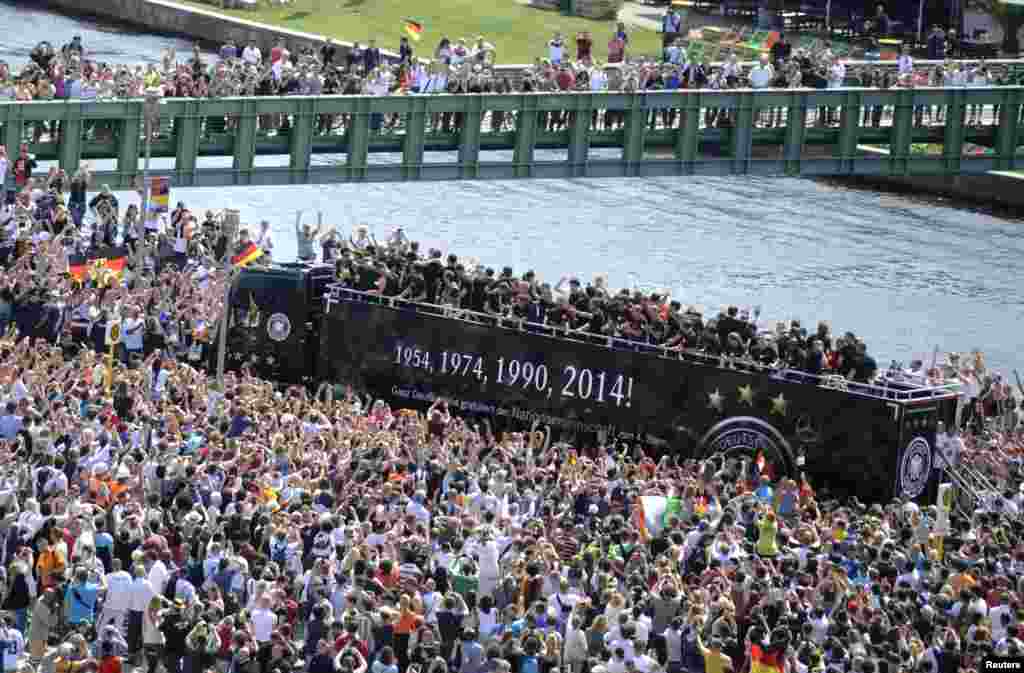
(355, 139)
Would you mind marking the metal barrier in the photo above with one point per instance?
(976, 491)
(771, 132)
(885, 389)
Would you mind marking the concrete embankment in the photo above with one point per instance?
(1004, 191)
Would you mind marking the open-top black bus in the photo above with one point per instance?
(873, 440)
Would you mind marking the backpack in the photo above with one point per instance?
(441, 579)
(42, 477)
(279, 552)
(172, 586)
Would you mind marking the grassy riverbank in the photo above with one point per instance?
(518, 32)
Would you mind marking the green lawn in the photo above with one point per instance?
(519, 33)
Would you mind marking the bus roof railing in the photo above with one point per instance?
(890, 389)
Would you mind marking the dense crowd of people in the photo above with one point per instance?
(151, 516)
(468, 66)
(462, 66)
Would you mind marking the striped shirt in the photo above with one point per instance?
(409, 577)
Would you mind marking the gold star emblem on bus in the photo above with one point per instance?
(715, 400)
(779, 405)
(747, 394)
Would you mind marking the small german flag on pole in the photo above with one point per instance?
(414, 29)
(248, 254)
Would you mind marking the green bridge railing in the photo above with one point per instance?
(328, 139)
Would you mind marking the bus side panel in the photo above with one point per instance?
(851, 443)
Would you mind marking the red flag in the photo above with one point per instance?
(805, 488)
(765, 662)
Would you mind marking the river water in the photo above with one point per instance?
(907, 274)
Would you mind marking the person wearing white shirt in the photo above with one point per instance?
(997, 615)
(431, 603)
(563, 600)
(158, 575)
(617, 664)
(905, 63)
(731, 69)
(13, 644)
(416, 508)
(762, 74)
(613, 644)
(556, 49)
(672, 52)
(484, 501)
(131, 331)
(265, 241)
(643, 625)
(263, 621)
(819, 626)
(436, 83)
(836, 74)
(56, 484)
(141, 594)
(645, 663)
(252, 55)
(119, 596)
(420, 77)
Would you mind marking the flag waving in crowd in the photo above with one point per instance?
(103, 261)
(248, 254)
(414, 29)
(653, 513)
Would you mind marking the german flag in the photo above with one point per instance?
(762, 661)
(414, 29)
(248, 254)
(98, 263)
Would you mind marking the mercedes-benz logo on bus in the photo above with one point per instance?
(746, 435)
(915, 468)
(279, 327)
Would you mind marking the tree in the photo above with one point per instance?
(1010, 17)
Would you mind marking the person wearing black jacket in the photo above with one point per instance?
(432, 272)
(175, 628)
(371, 57)
(780, 51)
(328, 53)
(937, 44)
(405, 52)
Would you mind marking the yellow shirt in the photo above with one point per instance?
(716, 663)
(767, 541)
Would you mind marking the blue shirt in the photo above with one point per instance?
(104, 541)
(81, 602)
(10, 425)
(239, 424)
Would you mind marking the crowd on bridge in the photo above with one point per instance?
(468, 66)
(150, 515)
(461, 66)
